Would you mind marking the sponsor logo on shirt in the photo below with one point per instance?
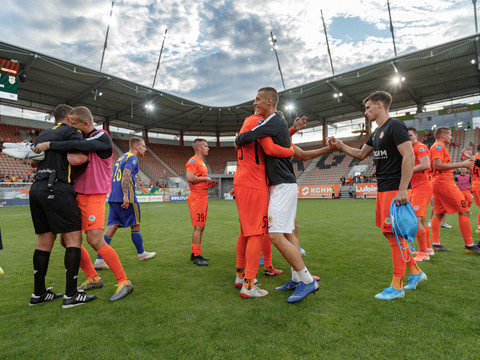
(380, 154)
(191, 161)
(438, 147)
(421, 149)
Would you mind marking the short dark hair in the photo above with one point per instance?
(272, 93)
(134, 140)
(197, 141)
(411, 128)
(440, 131)
(61, 111)
(384, 97)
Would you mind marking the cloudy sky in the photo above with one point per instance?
(217, 51)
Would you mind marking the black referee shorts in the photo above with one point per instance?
(58, 215)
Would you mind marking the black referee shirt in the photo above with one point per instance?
(56, 160)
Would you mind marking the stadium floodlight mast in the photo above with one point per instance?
(159, 57)
(391, 29)
(328, 46)
(273, 43)
(106, 36)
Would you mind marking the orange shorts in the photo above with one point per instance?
(420, 198)
(252, 205)
(382, 210)
(447, 198)
(198, 206)
(467, 195)
(92, 209)
(476, 195)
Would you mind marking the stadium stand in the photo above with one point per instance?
(148, 164)
(327, 169)
(19, 169)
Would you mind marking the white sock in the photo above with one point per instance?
(295, 275)
(305, 276)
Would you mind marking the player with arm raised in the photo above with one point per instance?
(394, 161)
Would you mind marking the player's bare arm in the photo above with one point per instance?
(423, 165)
(359, 154)
(126, 181)
(192, 178)
(77, 158)
(408, 160)
(311, 154)
(439, 165)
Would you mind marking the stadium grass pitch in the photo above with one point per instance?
(181, 311)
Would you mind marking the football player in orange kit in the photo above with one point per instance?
(447, 198)
(199, 182)
(476, 187)
(251, 195)
(420, 194)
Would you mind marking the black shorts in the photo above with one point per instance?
(58, 215)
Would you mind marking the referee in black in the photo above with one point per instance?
(54, 210)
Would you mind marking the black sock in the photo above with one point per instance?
(40, 267)
(72, 263)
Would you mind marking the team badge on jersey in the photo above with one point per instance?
(381, 134)
(134, 162)
(259, 122)
(388, 221)
(191, 161)
(438, 147)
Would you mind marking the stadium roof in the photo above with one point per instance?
(432, 75)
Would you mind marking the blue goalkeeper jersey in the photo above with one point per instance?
(126, 161)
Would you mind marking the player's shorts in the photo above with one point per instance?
(476, 195)
(59, 214)
(198, 206)
(467, 195)
(123, 217)
(448, 199)
(420, 197)
(382, 210)
(92, 207)
(282, 208)
(252, 205)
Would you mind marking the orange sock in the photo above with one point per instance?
(86, 265)
(196, 249)
(112, 260)
(429, 240)
(413, 267)
(422, 240)
(397, 282)
(465, 229)
(252, 253)
(241, 246)
(399, 265)
(241, 273)
(267, 251)
(435, 229)
(248, 283)
(478, 221)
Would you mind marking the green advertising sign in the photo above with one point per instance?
(8, 80)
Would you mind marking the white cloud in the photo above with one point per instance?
(217, 52)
